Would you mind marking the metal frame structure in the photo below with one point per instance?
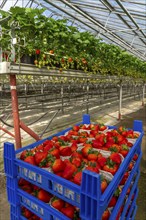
(13, 70)
(119, 22)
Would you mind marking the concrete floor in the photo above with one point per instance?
(131, 111)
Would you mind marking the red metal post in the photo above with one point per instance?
(6, 131)
(15, 111)
(29, 131)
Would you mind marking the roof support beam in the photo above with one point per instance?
(98, 24)
(130, 16)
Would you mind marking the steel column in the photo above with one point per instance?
(15, 111)
(120, 102)
(143, 94)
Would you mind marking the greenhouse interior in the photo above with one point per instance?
(73, 109)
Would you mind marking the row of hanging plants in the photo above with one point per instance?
(57, 44)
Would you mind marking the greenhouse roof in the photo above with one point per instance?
(120, 22)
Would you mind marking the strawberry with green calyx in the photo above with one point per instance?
(124, 150)
(104, 183)
(54, 152)
(39, 148)
(115, 148)
(77, 179)
(76, 128)
(30, 160)
(115, 157)
(58, 165)
(102, 127)
(40, 156)
(69, 170)
(102, 161)
(74, 147)
(110, 166)
(25, 154)
(65, 151)
(76, 161)
(118, 191)
(57, 203)
(86, 150)
(77, 155)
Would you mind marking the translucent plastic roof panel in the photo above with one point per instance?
(121, 22)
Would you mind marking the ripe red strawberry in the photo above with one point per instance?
(97, 144)
(43, 195)
(65, 151)
(27, 213)
(30, 159)
(69, 170)
(135, 157)
(102, 161)
(76, 161)
(124, 179)
(77, 155)
(58, 165)
(73, 147)
(115, 157)
(37, 51)
(40, 148)
(86, 150)
(22, 182)
(115, 148)
(124, 150)
(48, 146)
(78, 178)
(92, 156)
(102, 127)
(113, 201)
(76, 128)
(27, 188)
(25, 154)
(106, 215)
(54, 152)
(92, 168)
(104, 185)
(40, 156)
(68, 211)
(111, 168)
(57, 203)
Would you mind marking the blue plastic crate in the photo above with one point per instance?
(133, 213)
(87, 197)
(41, 209)
(135, 186)
(15, 212)
(133, 204)
(125, 188)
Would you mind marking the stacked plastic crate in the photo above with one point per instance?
(87, 197)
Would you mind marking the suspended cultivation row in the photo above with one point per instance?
(53, 43)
